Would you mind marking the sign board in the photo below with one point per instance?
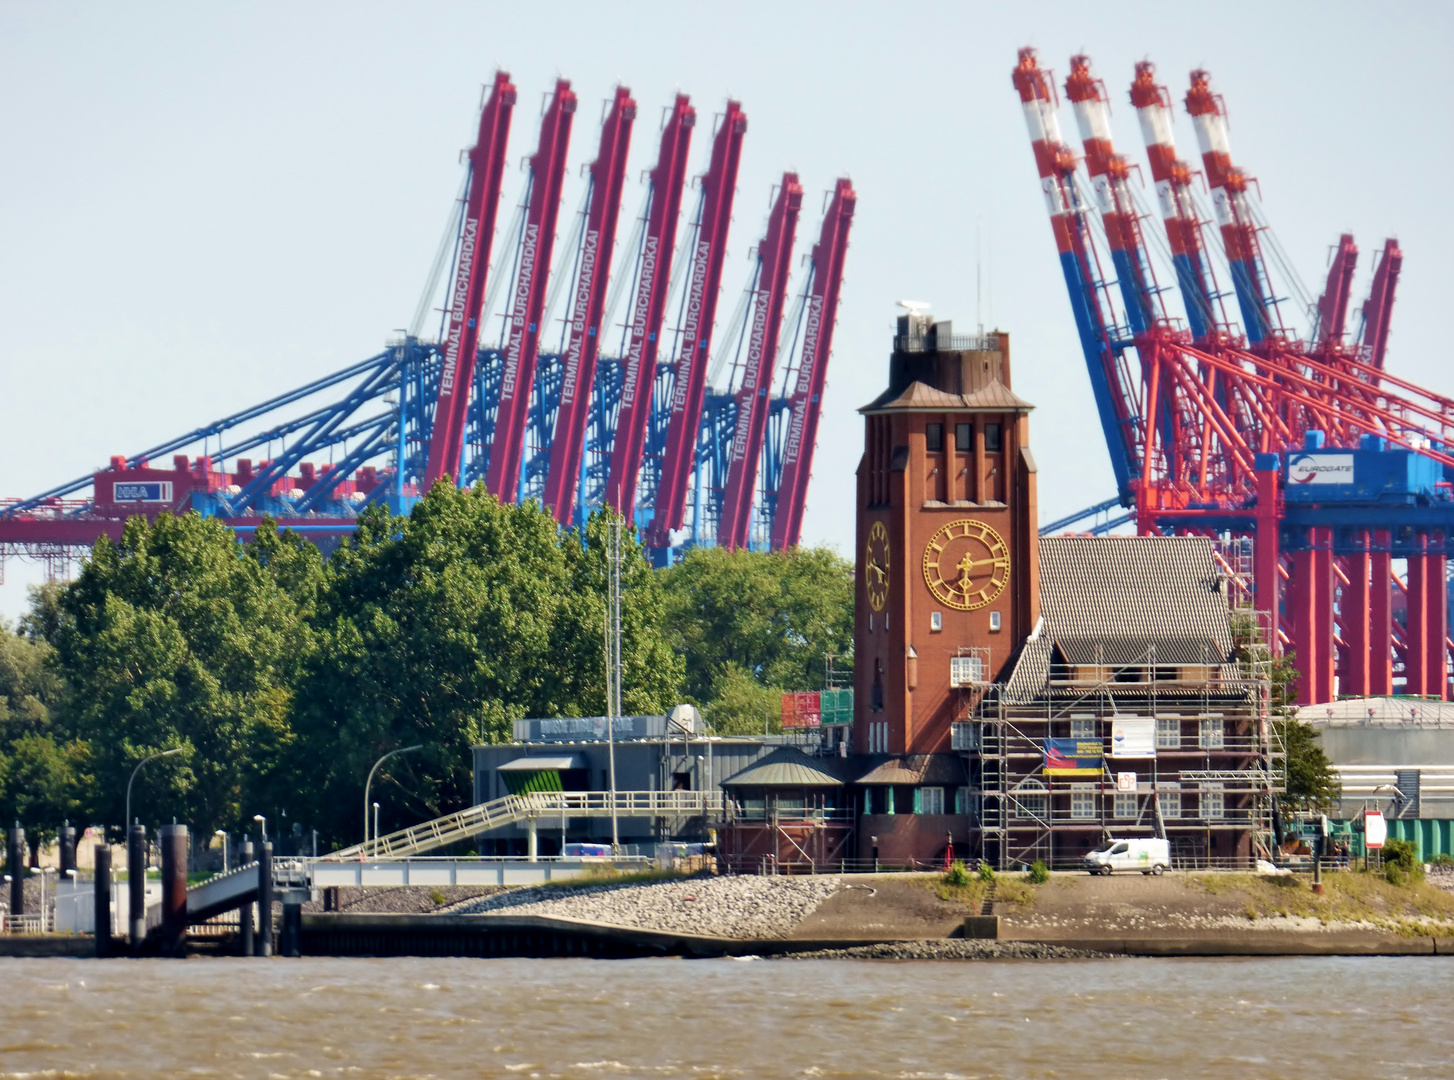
(593, 729)
(1375, 830)
(1319, 469)
(1133, 737)
(1073, 757)
(1125, 781)
(143, 491)
(802, 709)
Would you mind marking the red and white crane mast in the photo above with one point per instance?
(547, 170)
(653, 277)
(467, 293)
(1172, 178)
(1109, 173)
(608, 174)
(689, 383)
(1230, 205)
(774, 258)
(806, 400)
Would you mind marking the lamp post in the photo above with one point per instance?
(139, 764)
(376, 827)
(369, 783)
(223, 833)
(263, 823)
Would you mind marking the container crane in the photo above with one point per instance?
(467, 293)
(689, 371)
(774, 257)
(607, 175)
(537, 239)
(805, 398)
(658, 245)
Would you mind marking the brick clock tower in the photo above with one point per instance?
(947, 579)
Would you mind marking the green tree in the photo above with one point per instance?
(776, 615)
(179, 636)
(441, 629)
(740, 705)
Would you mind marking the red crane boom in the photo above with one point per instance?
(456, 376)
(690, 377)
(806, 400)
(653, 277)
(774, 257)
(608, 174)
(547, 170)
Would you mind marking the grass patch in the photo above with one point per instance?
(1347, 897)
(1014, 890)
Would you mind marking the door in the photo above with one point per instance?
(1120, 858)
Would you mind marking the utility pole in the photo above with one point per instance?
(613, 660)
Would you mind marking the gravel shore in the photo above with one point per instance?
(724, 907)
(950, 949)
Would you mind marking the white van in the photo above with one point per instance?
(1147, 854)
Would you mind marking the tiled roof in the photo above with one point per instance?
(1114, 599)
(996, 395)
(940, 769)
(787, 767)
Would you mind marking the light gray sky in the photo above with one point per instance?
(205, 205)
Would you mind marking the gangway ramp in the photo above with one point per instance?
(514, 809)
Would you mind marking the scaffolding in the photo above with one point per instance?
(1214, 741)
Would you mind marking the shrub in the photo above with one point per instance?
(1444, 859)
(437, 898)
(1038, 874)
(986, 872)
(957, 874)
(1401, 862)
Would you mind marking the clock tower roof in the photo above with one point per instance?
(994, 396)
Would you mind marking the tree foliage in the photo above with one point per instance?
(179, 637)
(444, 627)
(769, 618)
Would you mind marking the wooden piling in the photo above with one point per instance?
(136, 885)
(265, 900)
(15, 866)
(102, 899)
(244, 913)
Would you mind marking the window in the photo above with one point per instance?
(931, 800)
(1082, 804)
(1210, 735)
(964, 438)
(1125, 805)
(754, 809)
(1083, 727)
(992, 437)
(790, 806)
(994, 622)
(870, 622)
(965, 671)
(1170, 803)
(961, 800)
(1213, 801)
(936, 621)
(1031, 800)
(933, 437)
(1168, 733)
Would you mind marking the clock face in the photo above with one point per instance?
(966, 564)
(876, 566)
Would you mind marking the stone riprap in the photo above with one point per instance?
(722, 907)
(950, 949)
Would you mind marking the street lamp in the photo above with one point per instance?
(139, 764)
(370, 780)
(263, 823)
(376, 827)
(223, 833)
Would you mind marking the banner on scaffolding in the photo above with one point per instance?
(1133, 737)
(802, 709)
(1073, 757)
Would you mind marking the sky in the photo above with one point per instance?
(202, 206)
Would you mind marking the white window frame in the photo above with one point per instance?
(1211, 733)
(1035, 804)
(931, 800)
(1213, 802)
(1084, 727)
(936, 621)
(1083, 805)
(1126, 806)
(1168, 733)
(965, 671)
(1170, 803)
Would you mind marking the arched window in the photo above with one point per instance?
(1031, 800)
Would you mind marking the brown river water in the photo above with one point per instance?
(1326, 1018)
